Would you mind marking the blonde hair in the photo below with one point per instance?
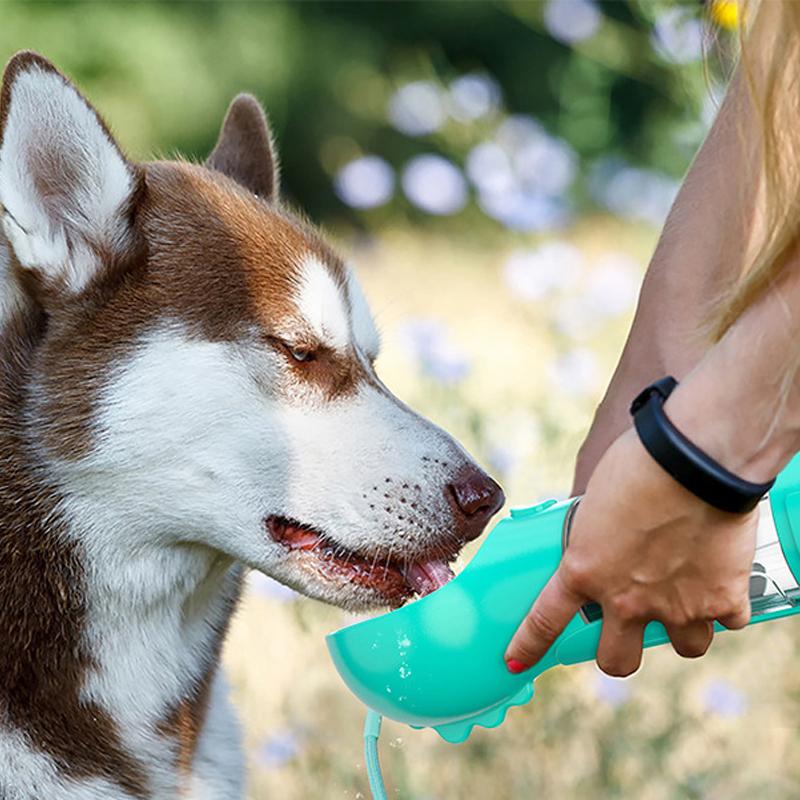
(770, 65)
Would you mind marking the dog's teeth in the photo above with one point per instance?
(428, 576)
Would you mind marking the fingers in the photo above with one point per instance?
(620, 651)
(738, 618)
(691, 640)
(550, 614)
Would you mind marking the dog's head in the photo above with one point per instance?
(203, 366)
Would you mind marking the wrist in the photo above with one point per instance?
(743, 433)
(654, 488)
(741, 404)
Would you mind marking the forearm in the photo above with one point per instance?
(701, 252)
(741, 404)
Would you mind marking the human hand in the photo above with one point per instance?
(644, 548)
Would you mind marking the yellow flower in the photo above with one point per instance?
(725, 13)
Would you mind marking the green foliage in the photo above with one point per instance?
(163, 74)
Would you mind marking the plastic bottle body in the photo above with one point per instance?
(438, 662)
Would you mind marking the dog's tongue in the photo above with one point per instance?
(428, 576)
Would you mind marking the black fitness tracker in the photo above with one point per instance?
(685, 462)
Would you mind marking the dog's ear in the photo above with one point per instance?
(244, 150)
(66, 190)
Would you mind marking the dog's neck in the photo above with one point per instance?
(108, 647)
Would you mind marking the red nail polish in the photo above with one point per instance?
(515, 666)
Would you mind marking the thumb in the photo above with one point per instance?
(550, 614)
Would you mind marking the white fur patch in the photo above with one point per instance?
(218, 768)
(364, 330)
(62, 181)
(11, 296)
(321, 303)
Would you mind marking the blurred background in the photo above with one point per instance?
(497, 172)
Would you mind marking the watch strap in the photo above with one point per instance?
(690, 466)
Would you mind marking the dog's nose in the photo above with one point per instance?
(478, 497)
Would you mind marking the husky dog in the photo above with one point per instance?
(186, 390)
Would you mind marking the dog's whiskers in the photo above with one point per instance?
(374, 562)
(389, 557)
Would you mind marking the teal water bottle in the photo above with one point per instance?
(438, 662)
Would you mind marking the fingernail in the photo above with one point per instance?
(515, 667)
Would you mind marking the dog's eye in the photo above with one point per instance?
(296, 352)
(301, 354)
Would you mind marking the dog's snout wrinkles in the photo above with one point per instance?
(478, 497)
